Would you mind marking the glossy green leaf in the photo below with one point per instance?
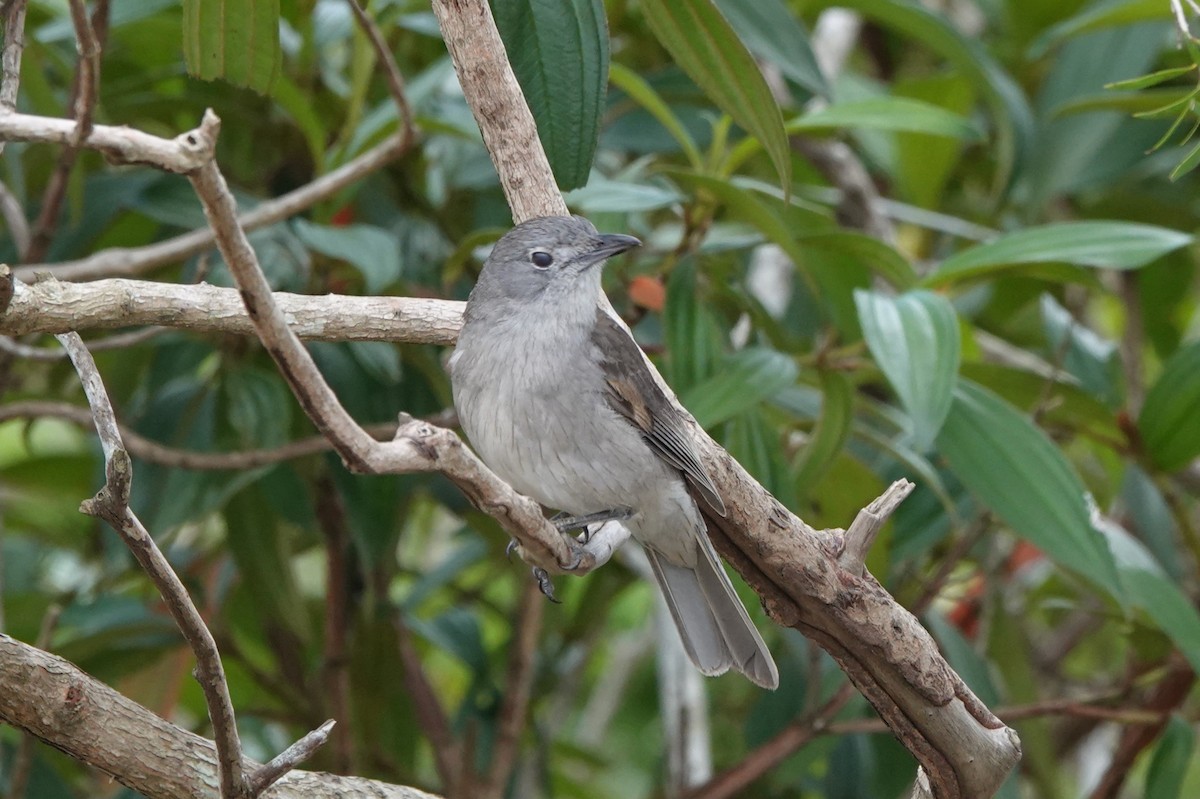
(1017, 472)
(831, 433)
(1170, 418)
(706, 48)
(644, 95)
(1170, 761)
(232, 40)
(914, 340)
(747, 378)
(559, 52)
(888, 113)
(372, 250)
(1112, 245)
(773, 33)
(1010, 110)
(1098, 16)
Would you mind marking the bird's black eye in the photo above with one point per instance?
(541, 259)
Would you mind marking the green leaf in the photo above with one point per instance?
(559, 52)
(258, 406)
(914, 340)
(1170, 418)
(233, 40)
(693, 336)
(372, 250)
(644, 95)
(888, 113)
(1097, 17)
(1169, 764)
(774, 34)
(1111, 244)
(830, 435)
(602, 195)
(1189, 163)
(707, 49)
(1152, 79)
(746, 379)
(1083, 352)
(1017, 472)
(820, 234)
(1010, 110)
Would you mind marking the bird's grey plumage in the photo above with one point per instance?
(556, 398)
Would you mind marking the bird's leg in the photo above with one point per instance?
(566, 523)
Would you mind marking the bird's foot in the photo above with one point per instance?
(545, 585)
(566, 523)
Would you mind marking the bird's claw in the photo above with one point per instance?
(545, 585)
(566, 523)
(511, 548)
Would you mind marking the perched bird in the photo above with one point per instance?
(556, 398)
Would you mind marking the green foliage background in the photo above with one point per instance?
(1025, 350)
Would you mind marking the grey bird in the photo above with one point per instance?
(556, 398)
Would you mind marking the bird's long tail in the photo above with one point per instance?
(716, 630)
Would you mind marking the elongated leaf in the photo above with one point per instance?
(372, 250)
(233, 40)
(749, 377)
(706, 48)
(1017, 472)
(1113, 245)
(914, 339)
(1097, 17)
(831, 432)
(644, 95)
(1010, 110)
(755, 210)
(559, 52)
(1170, 418)
(774, 34)
(1151, 79)
(1169, 765)
(888, 113)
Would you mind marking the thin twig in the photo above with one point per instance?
(518, 687)
(111, 503)
(448, 755)
(119, 341)
(270, 772)
(137, 260)
(14, 216)
(83, 106)
(331, 518)
(391, 70)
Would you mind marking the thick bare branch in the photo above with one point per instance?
(53, 700)
(51, 306)
(495, 98)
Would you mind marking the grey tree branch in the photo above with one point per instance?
(51, 699)
(111, 503)
(126, 261)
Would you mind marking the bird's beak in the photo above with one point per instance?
(607, 245)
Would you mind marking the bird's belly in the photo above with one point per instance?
(561, 446)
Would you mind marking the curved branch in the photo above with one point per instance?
(51, 699)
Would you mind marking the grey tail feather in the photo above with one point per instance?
(716, 630)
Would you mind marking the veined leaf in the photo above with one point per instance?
(233, 40)
(706, 48)
(559, 52)
(774, 34)
(1017, 472)
(1113, 245)
(914, 340)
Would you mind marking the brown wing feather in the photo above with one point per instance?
(633, 393)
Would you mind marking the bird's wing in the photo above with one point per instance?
(633, 393)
